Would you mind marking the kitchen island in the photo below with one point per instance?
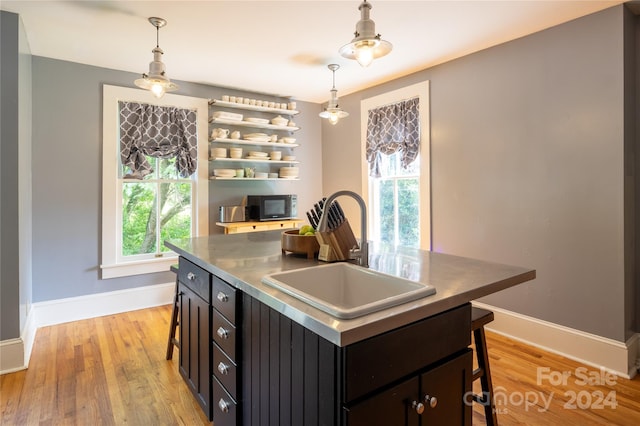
(254, 355)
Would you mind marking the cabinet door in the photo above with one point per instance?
(448, 384)
(391, 407)
(195, 346)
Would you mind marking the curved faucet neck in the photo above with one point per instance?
(322, 226)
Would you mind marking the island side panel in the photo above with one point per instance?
(289, 373)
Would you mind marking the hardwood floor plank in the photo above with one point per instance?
(112, 371)
(529, 384)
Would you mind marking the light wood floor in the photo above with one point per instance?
(111, 370)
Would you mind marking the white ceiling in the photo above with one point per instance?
(280, 47)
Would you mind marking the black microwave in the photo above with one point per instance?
(272, 207)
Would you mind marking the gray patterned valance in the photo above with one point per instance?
(393, 128)
(157, 131)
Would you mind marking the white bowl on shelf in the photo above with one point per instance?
(289, 158)
(261, 175)
(224, 172)
(288, 139)
(275, 155)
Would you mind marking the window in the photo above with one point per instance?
(398, 197)
(394, 198)
(158, 193)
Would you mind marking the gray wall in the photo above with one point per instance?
(527, 145)
(67, 158)
(15, 177)
(9, 131)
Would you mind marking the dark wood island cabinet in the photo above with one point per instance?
(253, 355)
(247, 364)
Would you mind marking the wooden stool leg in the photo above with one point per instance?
(172, 341)
(485, 378)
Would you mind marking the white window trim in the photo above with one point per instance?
(110, 266)
(420, 90)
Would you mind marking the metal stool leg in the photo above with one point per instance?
(173, 341)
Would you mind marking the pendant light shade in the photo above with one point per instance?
(367, 45)
(156, 80)
(333, 112)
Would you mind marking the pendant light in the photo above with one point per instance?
(367, 45)
(333, 111)
(156, 80)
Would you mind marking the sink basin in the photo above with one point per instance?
(345, 290)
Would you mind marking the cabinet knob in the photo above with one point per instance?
(431, 400)
(418, 406)
(224, 334)
(222, 297)
(224, 405)
(223, 368)
(191, 276)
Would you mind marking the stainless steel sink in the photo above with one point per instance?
(345, 290)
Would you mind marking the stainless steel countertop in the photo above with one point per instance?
(243, 259)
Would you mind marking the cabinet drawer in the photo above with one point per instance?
(224, 334)
(225, 370)
(225, 409)
(196, 278)
(375, 362)
(224, 298)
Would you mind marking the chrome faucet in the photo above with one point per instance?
(361, 255)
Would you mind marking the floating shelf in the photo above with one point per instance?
(250, 124)
(247, 179)
(251, 160)
(225, 104)
(246, 142)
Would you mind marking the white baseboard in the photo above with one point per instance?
(97, 305)
(596, 351)
(15, 353)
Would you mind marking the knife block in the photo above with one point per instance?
(336, 243)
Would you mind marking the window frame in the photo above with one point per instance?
(421, 91)
(112, 266)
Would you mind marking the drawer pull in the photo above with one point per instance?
(223, 368)
(224, 334)
(223, 297)
(191, 276)
(418, 406)
(431, 400)
(224, 405)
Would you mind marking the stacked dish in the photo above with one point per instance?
(288, 140)
(257, 137)
(257, 155)
(228, 115)
(226, 173)
(289, 172)
(218, 152)
(257, 120)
